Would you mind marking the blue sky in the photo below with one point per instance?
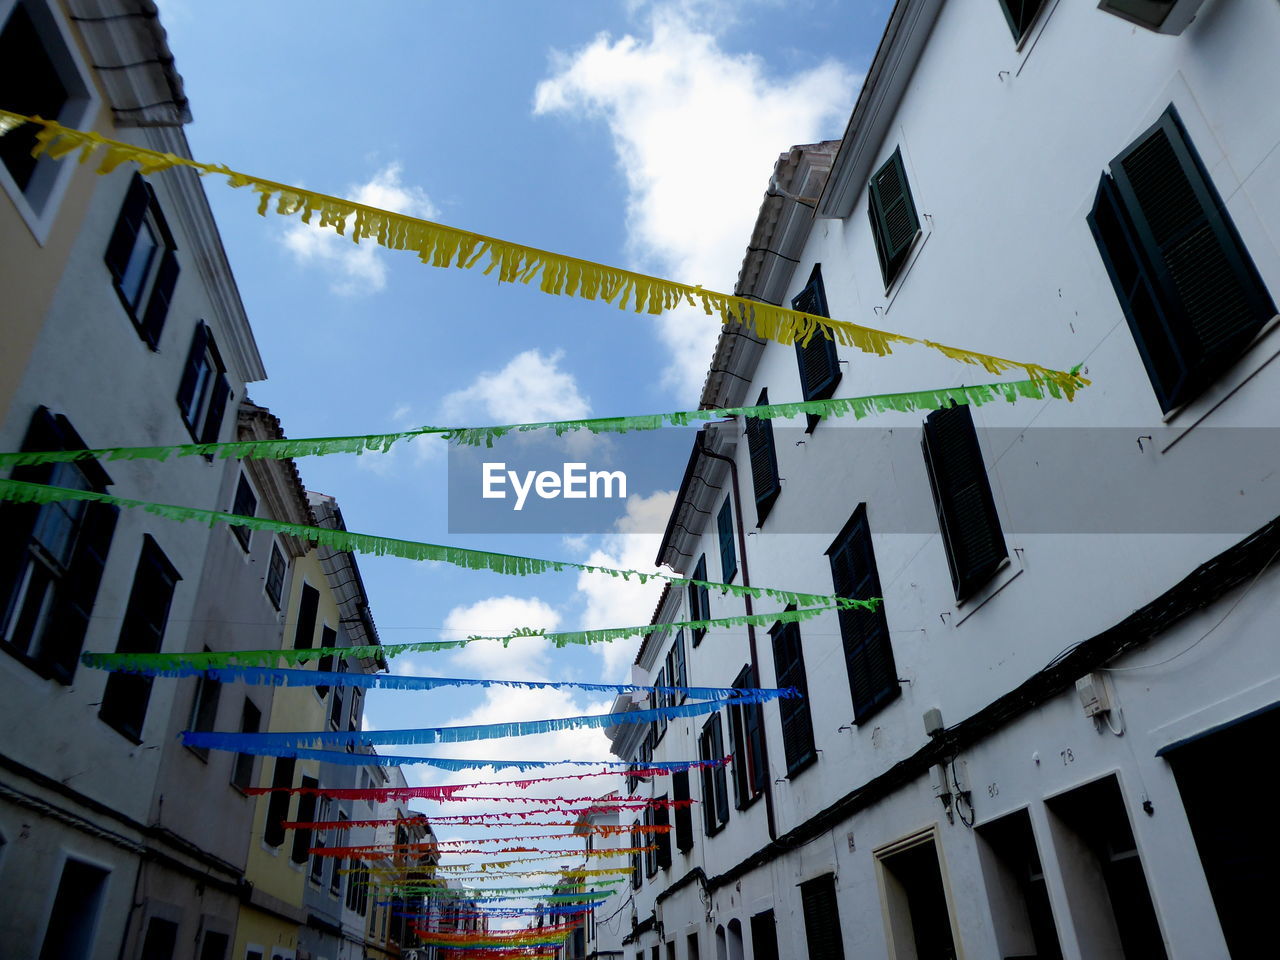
(638, 134)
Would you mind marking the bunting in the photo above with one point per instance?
(442, 246)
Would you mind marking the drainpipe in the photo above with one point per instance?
(751, 630)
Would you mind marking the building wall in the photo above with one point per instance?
(1003, 151)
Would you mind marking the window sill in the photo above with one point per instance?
(1256, 356)
(201, 755)
(871, 712)
(803, 765)
(917, 247)
(1009, 570)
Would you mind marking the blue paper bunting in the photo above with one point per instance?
(343, 758)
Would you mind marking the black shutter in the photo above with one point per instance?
(129, 222)
(873, 676)
(64, 637)
(1214, 301)
(161, 295)
(720, 774)
(699, 608)
(821, 919)
(306, 813)
(1021, 14)
(662, 838)
(764, 462)
(278, 805)
(797, 722)
(962, 497)
(764, 937)
(217, 406)
(305, 629)
(894, 223)
(160, 941)
(724, 530)
(191, 372)
(684, 814)
(819, 363)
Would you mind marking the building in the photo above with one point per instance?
(1045, 741)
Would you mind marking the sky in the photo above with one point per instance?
(639, 134)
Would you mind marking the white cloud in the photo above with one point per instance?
(696, 130)
(357, 268)
(614, 602)
(530, 387)
(521, 659)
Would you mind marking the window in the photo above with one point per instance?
(661, 838)
(677, 669)
(73, 918)
(335, 707)
(916, 901)
(1186, 283)
(244, 505)
(797, 722)
(699, 607)
(691, 943)
(660, 700)
(646, 838)
(204, 391)
(684, 813)
(40, 75)
(764, 937)
(328, 639)
(1021, 14)
(124, 704)
(214, 946)
(160, 941)
(873, 676)
(306, 814)
(764, 462)
(142, 259)
(278, 804)
(204, 707)
(967, 519)
(724, 533)
(304, 631)
(335, 878)
(894, 224)
(636, 879)
(746, 730)
(819, 363)
(250, 722)
(52, 556)
(822, 920)
(275, 576)
(715, 786)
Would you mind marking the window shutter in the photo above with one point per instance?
(764, 462)
(699, 608)
(217, 406)
(278, 805)
(305, 629)
(1210, 288)
(873, 676)
(724, 530)
(764, 937)
(76, 595)
(684, 815)
(679, 673)
(894, 223)
(191, 373)
(662, 839)
(797, 723)
(819, 363)
(720, 775)
(306, 813)
(161, 295)
(128, 223)
(1021, 14)
(962, 496)
(17, 520)
(821, 919)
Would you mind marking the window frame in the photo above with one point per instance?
(146, 295)
(715, 784)
(244, 535)
(699, 599)
(790, 671)
(893, 256)
(725, 530)
(204, 390)
(820, 348)
(762, 455)
(746, 734)
(277, 596)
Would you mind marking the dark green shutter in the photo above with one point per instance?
(161, 295)
(894, 223)
(821, 919)
(699, 607)
(873, 676)
(724, 531)
(132, 213)
(661, 839)
(764, 462)
(306, 813)
(797, 722)
(684, 814)
(217, 407)
(818, 361)
(966, 510)
(76, 595)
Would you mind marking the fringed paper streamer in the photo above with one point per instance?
(596, 829)
(278, 677)
(279, 744)
(398, 849)
(207, 660)
(345, 541)
(452, 893)
(458, 875)
(445, 846)
(857, 407)
(557, 274)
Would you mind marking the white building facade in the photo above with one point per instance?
(1046, 741)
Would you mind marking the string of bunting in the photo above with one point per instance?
(858, 407)
(206, 660)
(442, 246)
(597, 829)
(343, 540)
(282, 677)
(446, 791)
(283, 744)
(357, 853)
(444, 846)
